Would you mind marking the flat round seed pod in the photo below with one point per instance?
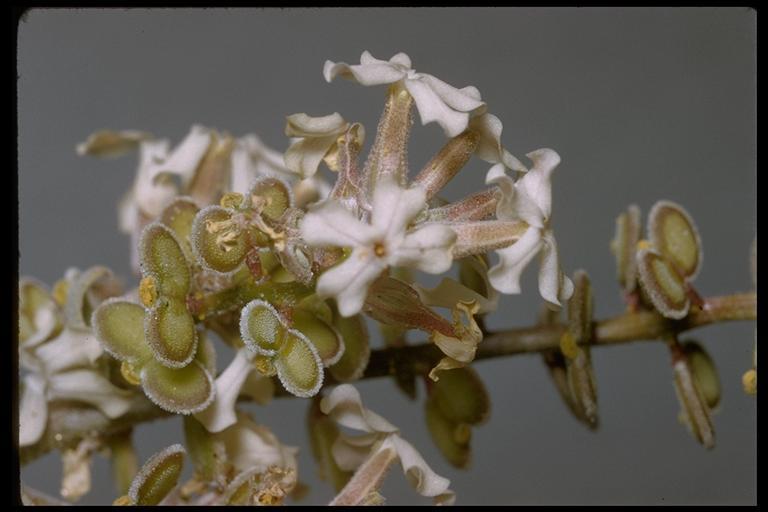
(271, 196)
(298, 365)
(218, 243)
(170, 332)
(158, 476)
(461, 396)
(452, 439)
(178, 217)
(704, 372)
(663, 285)
(673, 233)
(324, 337)
(163, 258)
(623, 247)
(119, 327)
(261, 328)
(357, 350)
(178, 390)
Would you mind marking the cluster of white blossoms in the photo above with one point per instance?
(238, 239)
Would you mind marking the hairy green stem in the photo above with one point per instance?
(67, 425)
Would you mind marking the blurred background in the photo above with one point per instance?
(641, 104)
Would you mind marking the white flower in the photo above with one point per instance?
(436, 100)
(63, 369)
(229, 385)
(252, 159)
(384, 242)
(314, 137)
(530, 200)
(345, 407)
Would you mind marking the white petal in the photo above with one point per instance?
(33, 410)
(69, 349)
(505, 276)
(221, 413)
(394, 207)
(428, 249)
(250, 445)
(304, 156)
(302, 125)
(554, 286)
(400, 59)
(489, 147)
(185, 159)
(127, 213)
(349, 452)
(151, 195)
(432, 108)
(90, 387)
(345, 407)
(419, 474)
(330, 224)
(537, 182)
(371, 71)
(515, 203)
(463, 100)
(348, 282)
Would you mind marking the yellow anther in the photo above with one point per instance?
(231, 200)
(129, 373)
(379, 249)
(60, 290)
(226, 231)
(148, 291)
(644, 244)
(122, 501)
(749, 381)
(568, 345)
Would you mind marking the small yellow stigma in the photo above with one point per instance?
(568, 345)
(60, 290)
(749, 381)
(231, 200)
(148, 291)
(379, 249)
(129, 373)
(123, 501)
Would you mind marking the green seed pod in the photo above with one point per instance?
(357, 350)
(461, 396)
(119, 327)
(125, 464)
(218, 242)
(200, 445)
(664, 287)
(170, 332)
(158, 476)
(298, 365)
(674, 235)
(452, 439)
(178, 390)
(704, 371)
(261, 328)
(163, 259)
(178, 217)
(324, 337)
(581, 381)
(272, 197)
(694, 410)
(623, 246)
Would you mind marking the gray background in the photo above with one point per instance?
(641, 104)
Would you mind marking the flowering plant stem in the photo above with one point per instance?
(67, 423)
